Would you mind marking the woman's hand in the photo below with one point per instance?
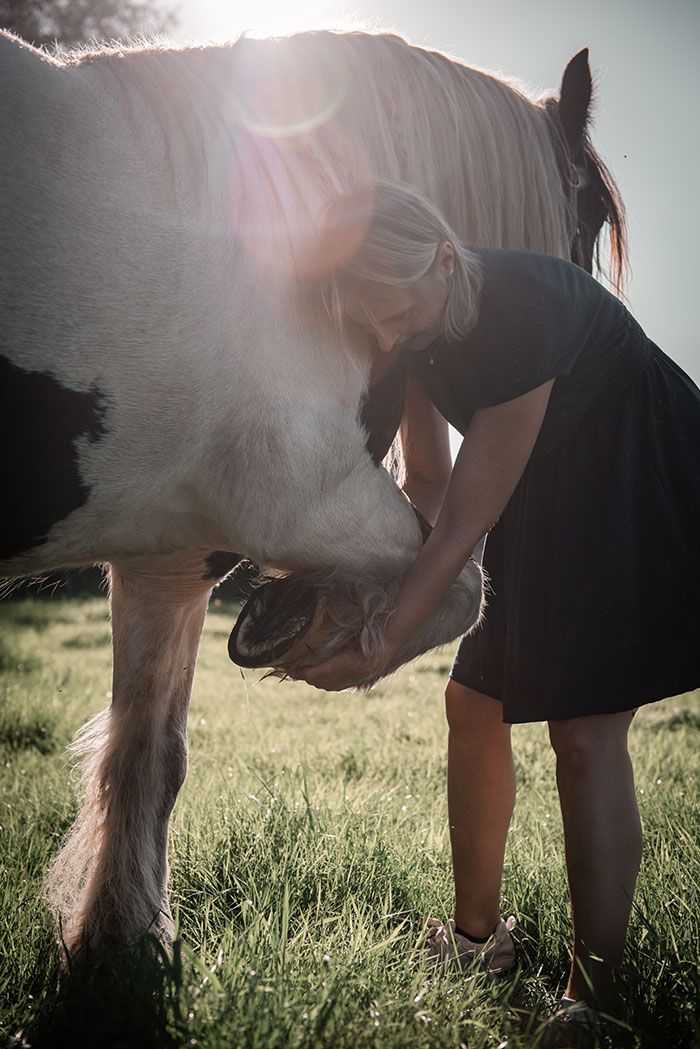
(494, 453)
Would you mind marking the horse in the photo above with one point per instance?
(176, 398)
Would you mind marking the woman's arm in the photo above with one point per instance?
(425, 446)
(494, 453)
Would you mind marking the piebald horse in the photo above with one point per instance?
(173, 397)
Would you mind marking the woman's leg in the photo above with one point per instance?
(603, 841)
(480, 794)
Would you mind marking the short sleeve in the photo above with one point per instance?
(532, 325)
(540, 318)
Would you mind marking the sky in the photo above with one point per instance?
(644, 55)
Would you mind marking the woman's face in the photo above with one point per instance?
(408, 318)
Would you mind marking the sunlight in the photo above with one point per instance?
(263, 18)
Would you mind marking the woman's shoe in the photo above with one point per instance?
(575, 1025)
(446, 947)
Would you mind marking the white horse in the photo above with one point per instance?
(172, 394)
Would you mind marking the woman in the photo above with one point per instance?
(580, 459)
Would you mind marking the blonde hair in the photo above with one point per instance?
(383, 238)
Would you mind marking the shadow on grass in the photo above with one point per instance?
(147, 998)
(133, 999)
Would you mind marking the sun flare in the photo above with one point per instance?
(265, 18)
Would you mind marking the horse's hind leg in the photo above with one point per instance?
(108, 884)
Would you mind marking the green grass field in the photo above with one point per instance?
(309, 842)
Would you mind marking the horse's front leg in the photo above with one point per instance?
(108, 884)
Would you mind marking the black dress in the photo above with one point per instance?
(594, 565)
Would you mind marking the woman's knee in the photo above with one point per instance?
(472, 715)
(590, 739)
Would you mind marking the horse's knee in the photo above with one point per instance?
(174, 766)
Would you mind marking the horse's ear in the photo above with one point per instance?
(575, 98)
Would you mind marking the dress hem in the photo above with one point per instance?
(677, 689)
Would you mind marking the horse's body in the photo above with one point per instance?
(171, 396)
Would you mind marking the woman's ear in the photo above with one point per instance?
(445, 258)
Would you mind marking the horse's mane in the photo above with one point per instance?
(615, 219)
(473, 143)
(600, 203)
(319, 112)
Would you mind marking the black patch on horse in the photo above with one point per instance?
(382, 407)
(219, 563)
(40, 421)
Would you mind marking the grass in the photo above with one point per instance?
(306, 846)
